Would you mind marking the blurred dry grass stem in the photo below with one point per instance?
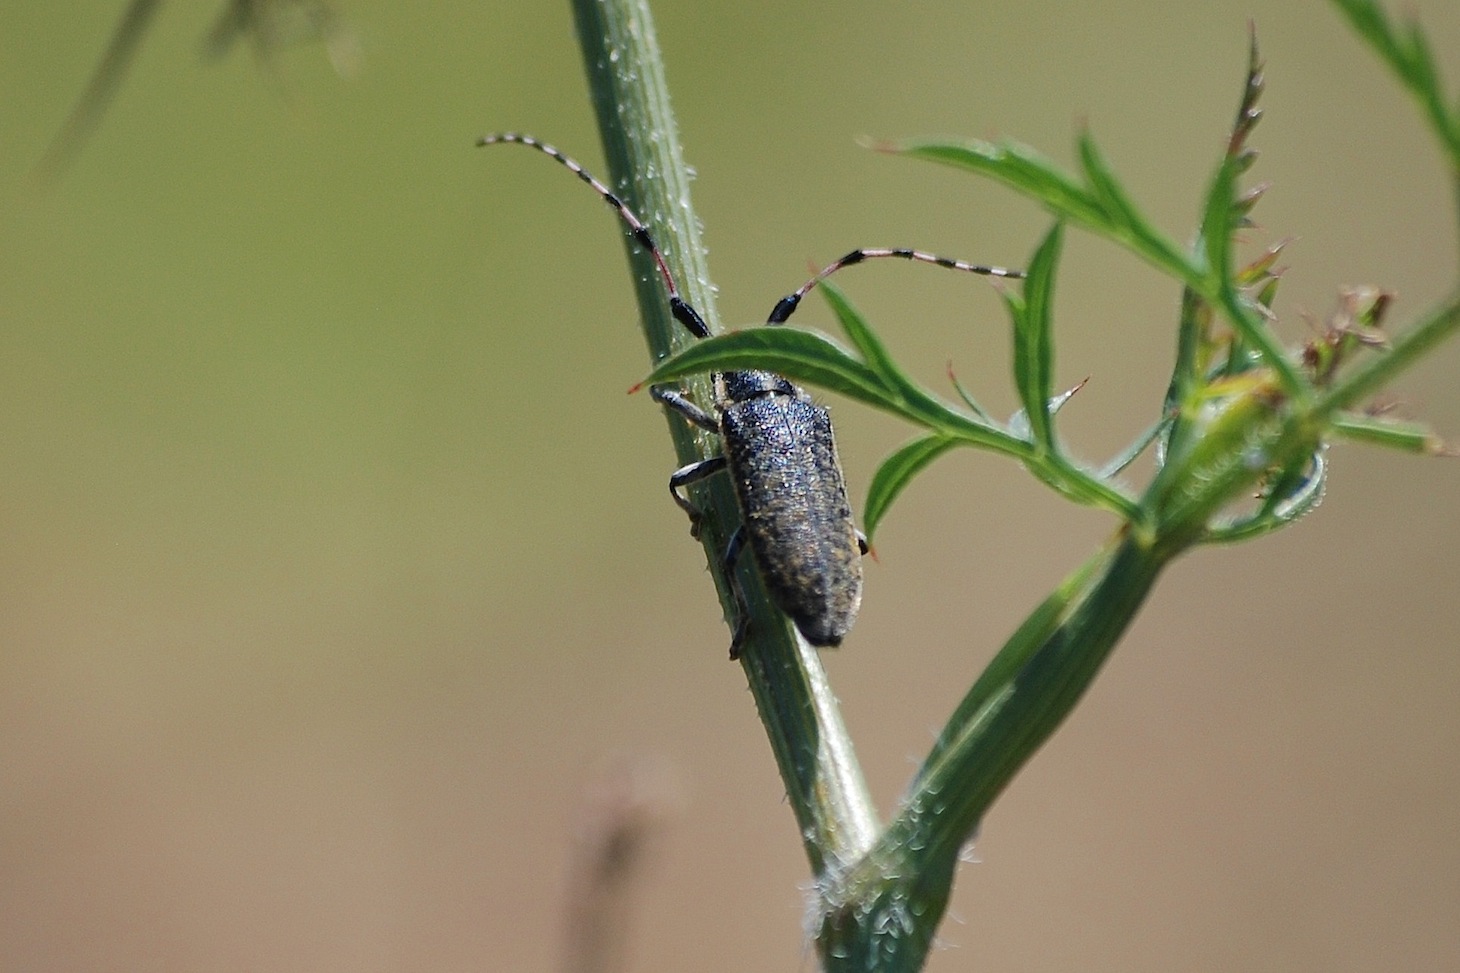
(626, 805)
(271, 25)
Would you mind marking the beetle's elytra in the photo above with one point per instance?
(778, 450)
(781, 456)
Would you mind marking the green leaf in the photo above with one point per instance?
(1103, 207)
(1017, 166)
(1107, 210)
(1248, 114)
(967, 397)
(896, 472)
(1033, 342)
(994, 682)
(1194, 348)
(1407, 437)
(801, 356)
(1368, 19)
(1421, 59)
(906, 398)
(874, 352)
(1137, 446)
(1408, 55)
(1216, 223)
(1125, 222)
(1224, 212)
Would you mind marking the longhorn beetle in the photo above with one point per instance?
(779, 452)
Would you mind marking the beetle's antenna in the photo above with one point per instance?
(682, 311)
(786, 306)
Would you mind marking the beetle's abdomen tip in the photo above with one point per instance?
(823, 638)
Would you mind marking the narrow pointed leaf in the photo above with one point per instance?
(1193, 348)
(1216, 224)
(1033, 345)
(1019, 167)
(1138, 446)
(1262, 267)
(967, 396)
(1408, 437)
(905, 397)
(1083, 486)
(1421, 59)
(1410, 59)
(1126, 223)
(874, 352)
(896, 472)
(1224, 211)
(801, 356)
(1106, 211)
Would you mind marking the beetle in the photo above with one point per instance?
(779, 451)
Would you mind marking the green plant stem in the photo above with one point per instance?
(823, 780)
(889, 904)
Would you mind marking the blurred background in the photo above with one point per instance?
(336, 562)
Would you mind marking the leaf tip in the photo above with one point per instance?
(885, 146)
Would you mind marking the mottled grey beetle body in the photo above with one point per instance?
(781, 455)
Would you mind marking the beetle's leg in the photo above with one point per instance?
(742, 609)
(686, 475)
(679, 402)
(675, 399)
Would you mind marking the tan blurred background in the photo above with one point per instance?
(335, 560)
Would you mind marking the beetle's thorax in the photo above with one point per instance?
(744, 386)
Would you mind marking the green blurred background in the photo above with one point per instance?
(335, 559)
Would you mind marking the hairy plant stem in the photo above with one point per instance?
(881, 893)
(813, 751)
(886, 909)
